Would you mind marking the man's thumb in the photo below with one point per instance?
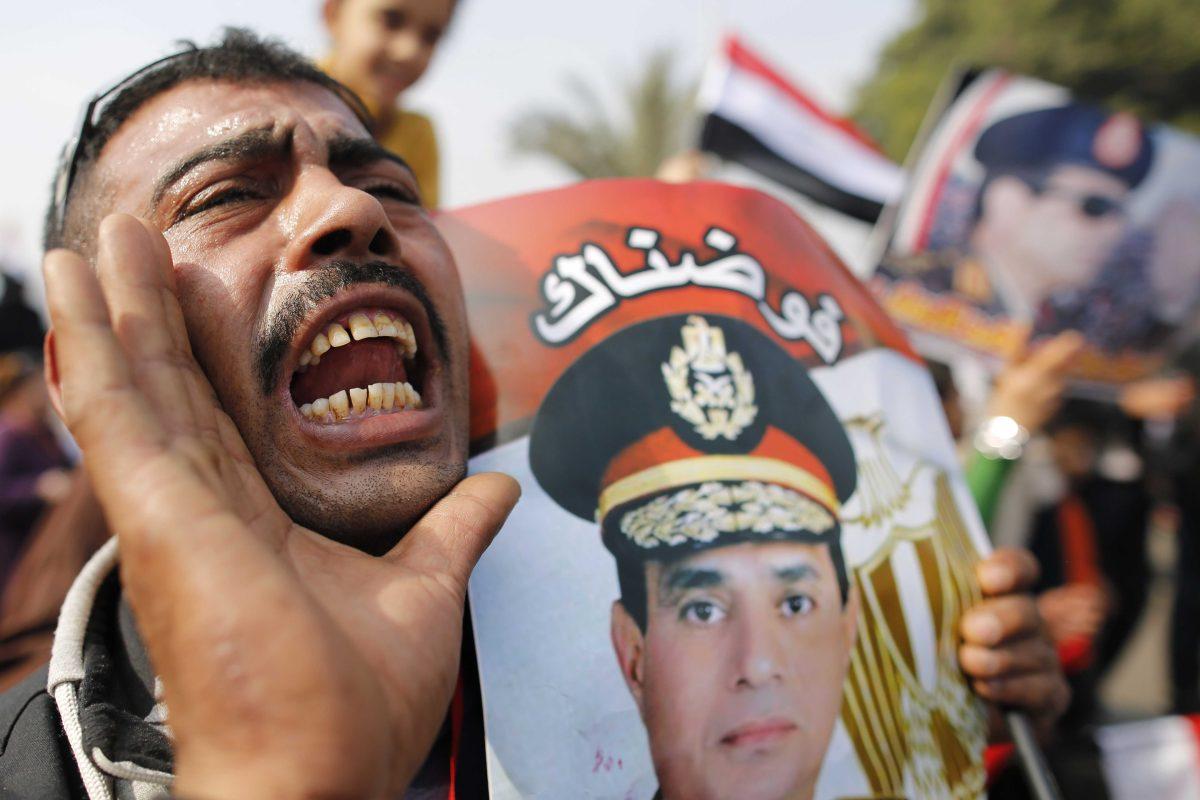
(453, 534)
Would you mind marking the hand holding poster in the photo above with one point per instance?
(1028, 209)
(744, 546)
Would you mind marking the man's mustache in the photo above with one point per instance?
(272, 342)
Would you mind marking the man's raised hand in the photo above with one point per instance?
(292, 665)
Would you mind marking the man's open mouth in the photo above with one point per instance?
(364, 363)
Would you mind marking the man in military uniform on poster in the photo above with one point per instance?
(717, 490)
(1050, 210)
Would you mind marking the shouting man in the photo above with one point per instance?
(267, 373)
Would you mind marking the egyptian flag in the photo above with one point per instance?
(756, 118)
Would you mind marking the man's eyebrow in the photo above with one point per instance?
(251, 145)
(797, 572)
(684, 578)
(350, 151)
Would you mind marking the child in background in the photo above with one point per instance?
(379, 49)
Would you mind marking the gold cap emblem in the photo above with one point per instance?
(710, 388)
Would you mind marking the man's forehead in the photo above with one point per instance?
(1087, 178)
(198, 113)
(750, 557)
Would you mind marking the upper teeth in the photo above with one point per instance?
(361, 327)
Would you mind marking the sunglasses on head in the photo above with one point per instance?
(93, 111)
(85, 128)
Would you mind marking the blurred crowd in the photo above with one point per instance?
(50, 522)
(1082, 483)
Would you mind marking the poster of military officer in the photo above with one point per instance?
(717, 494)
(1030, 209)
(743, 547)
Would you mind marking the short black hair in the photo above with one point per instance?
(239, 56)
(631, 576)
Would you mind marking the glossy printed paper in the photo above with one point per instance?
(702, 405)
(1028, 210)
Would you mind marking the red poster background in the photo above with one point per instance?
(505, 248)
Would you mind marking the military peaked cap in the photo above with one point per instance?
(690, 432)
(1073, 134)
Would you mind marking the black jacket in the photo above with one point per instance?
(99, 683)
(35, 757)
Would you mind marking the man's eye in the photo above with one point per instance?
(797, 605)
(393, 191)
(702, 611)
(220, 198)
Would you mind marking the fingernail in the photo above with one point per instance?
(983, 628)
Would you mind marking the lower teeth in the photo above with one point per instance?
(358, 403)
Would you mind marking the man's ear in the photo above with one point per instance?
(629, 644)
(50, 370)
(329, 12)
(850, 618)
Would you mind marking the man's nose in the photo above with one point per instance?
(333, 220)
(760, 655)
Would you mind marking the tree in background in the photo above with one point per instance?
(1140, 55)
(658, 119)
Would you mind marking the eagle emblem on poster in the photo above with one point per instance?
(709, 386)
(933, 751)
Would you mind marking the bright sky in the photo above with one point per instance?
(502, 57)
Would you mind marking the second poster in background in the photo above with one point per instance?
(1028, 210)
